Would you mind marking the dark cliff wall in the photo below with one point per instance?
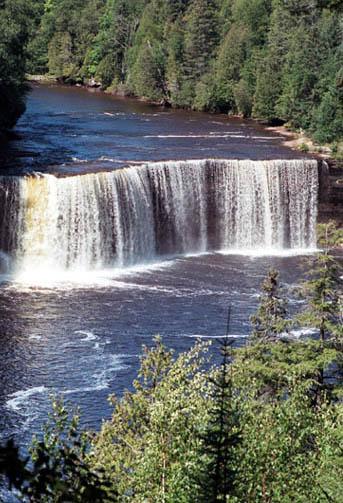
(331, 191)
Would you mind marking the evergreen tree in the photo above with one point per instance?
(323, 293)
(201, 37)
(254, 15)
(299, 76)
(327, 117)
(147, 56)
(271, 64)
(281, 457)
(222, 434)
(329, 235)
(147, 77)
(243, 98)
(110, 50)
(185, 423)
(37, 61)
(278, 61)
(175, 56)
(226, 70)
(270, 318)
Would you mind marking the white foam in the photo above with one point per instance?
(89, 335)
(86, 389)
(102, 379)
(301, 332)
(89, 229)
(19, 398)
(76, 159)
(205, 336)
(210, 135)
(119, 161)
(268, 252)
(109, 159)
(264, 137)
(47, 279)
(114, 114)
(35, 337)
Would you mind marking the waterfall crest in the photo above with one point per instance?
(134, 214)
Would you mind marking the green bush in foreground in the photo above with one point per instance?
(264, 426)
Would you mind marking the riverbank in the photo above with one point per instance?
(300, 141)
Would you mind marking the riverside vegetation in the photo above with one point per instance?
(276, 60)
(264, 426)
(13, 38)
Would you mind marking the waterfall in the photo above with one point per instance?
(135, 214)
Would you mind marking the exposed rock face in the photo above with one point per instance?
(331, 191)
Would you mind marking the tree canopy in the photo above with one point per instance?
(275, 60)
(17, 20)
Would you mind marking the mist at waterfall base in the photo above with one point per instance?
(142, 214)
(96, 263)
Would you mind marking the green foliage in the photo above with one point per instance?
(264, 426)
(274, 60)
(147, 77)
(222, 435)
(282, 458)
(15, 18)
(323, 292)
(243, 98)
(151, 446)
(304, 147)
(329, 235)
(200, 42)
(59, 470)
(64, 38)
(270, 318)
(328, 117)
(271, 370)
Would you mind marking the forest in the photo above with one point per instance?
(279, 61)
(13, 39)
(265, 425)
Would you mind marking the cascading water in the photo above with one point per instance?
(134, 214)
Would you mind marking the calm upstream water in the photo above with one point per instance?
(85, 284)
(70, 130)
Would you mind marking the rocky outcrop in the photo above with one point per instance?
(331, 191)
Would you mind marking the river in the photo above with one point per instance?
(75, 326)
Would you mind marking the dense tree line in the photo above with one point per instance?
(18, 21)
(277, 60)
(264, 426)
